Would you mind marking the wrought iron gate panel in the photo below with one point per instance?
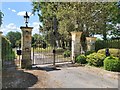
(45, 55)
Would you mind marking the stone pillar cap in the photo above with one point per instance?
(26, 27)
(75, 32)
(91, 38)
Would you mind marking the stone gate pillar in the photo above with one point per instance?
(91, 43)
(26, 61)
(0, 60)
(76, 44)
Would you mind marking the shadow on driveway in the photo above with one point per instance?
(15, 78)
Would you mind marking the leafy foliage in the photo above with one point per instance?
(92, 17)
(89, 52)
(95, 59)
(67, 53)
(112, 63)
(14, 38)
(81, 59)
(1, 16)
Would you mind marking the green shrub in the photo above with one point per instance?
(113, 52)
(81, 59)
(95, 59)
(67, 53)
(112, 63)
(89, 52)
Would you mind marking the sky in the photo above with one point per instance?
(13, 17)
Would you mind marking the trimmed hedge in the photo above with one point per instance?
(112, 63)
(81, 59)
(101, 44)
(113, 52)
(95, 59)
(7, 52)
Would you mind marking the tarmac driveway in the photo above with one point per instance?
(82, 77)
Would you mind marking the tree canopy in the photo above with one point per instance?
(93, 17)
(15, 38)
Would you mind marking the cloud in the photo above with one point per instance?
(10, 27)
(8, 8)
(22, 13)
(12, 10)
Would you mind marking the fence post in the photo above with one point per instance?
(0, 60)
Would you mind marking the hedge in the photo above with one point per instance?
(101, 44)
(7, 52)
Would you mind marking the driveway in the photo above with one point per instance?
(64, 76)
(79, 77)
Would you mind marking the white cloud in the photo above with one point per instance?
(22, 13)
(8, 8)
(10, 27)
(13, 10)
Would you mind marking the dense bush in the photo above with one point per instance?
(81, 59)
(95, 59)
(89, 52)
(67, 53)
(101, 44)
(113, 51)
(112, 63)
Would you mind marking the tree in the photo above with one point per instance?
(14, 38)
(92, 18)
(1, 16)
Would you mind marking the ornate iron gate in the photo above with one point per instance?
(49, 55)
(46, 53)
